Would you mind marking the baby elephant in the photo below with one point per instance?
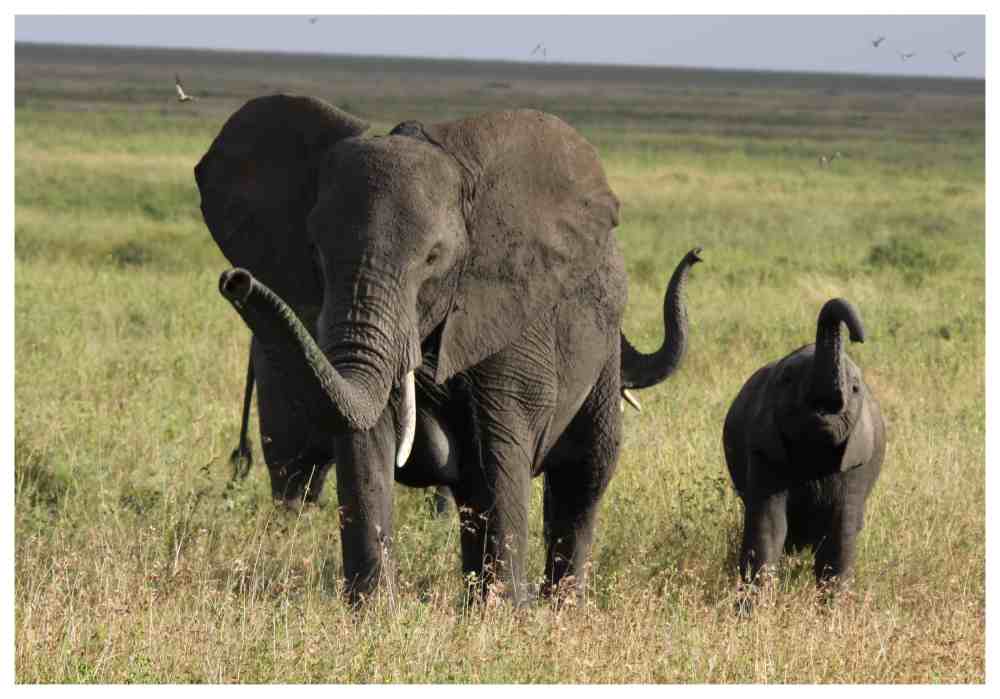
(804, 443)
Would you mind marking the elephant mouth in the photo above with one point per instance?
(816, 429)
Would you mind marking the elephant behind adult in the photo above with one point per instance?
(463, 275)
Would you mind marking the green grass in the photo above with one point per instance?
(137, 561)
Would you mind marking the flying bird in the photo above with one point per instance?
(879, 40)
(537, 49)
(956, 56)
(827, 160)
(181, 95)
(313, 20)
(906, 56)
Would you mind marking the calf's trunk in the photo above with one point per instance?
(826, 391)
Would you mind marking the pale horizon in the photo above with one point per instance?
(839, 44)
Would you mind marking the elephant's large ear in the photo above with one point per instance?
(258, 183)
(539, 216)
(861, 444)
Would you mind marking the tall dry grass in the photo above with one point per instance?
(137, 561)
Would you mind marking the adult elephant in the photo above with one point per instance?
(438, 306)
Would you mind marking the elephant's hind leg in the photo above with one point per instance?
(298, 455)
(577, 472)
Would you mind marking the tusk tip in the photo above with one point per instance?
(631, 399)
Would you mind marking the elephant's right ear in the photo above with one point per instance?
(258, 183)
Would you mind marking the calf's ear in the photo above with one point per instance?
(861, 444)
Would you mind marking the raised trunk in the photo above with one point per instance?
(352, 405)
(826, 391)
(641, 370)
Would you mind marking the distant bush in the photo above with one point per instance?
(912, 257)
(36, 479)
(900, 253)
(131, 254)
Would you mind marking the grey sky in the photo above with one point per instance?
(781, 42)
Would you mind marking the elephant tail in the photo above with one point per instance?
(640, 370)
(242, 458)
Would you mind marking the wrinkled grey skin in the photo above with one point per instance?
(804, 442)
(478, 254)
(241, 460)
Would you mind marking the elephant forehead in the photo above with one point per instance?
(796, 362)
(394, 196)
(403, 169)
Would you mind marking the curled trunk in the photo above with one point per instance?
(352, 405)
(827, 388)
(641, 370)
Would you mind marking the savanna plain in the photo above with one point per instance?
(137, 559)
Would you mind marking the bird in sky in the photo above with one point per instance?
(956, 56)
(906, 56)
(877, 41)
(313, 20)
(181, 95)
(826, 161)
(538, 49)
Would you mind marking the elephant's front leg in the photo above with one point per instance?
(492, 504)
(493, 492)
(577, 472)
(764, 530)
(836, 552)
(365, 466)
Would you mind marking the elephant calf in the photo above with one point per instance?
(804, 442)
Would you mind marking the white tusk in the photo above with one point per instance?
(631, 399)
(408, 421)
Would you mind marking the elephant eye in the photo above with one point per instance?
(434, 255)
(854, 388)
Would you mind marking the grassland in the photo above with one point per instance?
(136, 561)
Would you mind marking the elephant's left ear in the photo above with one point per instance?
(539, 213)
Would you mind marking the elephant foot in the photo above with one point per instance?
(830, 588)
(489, 595)
(570, 591)
(743, 606)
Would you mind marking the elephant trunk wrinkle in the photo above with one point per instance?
(367, 322)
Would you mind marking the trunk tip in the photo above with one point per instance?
(694, 255)
(235, 284)
(840, 310)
